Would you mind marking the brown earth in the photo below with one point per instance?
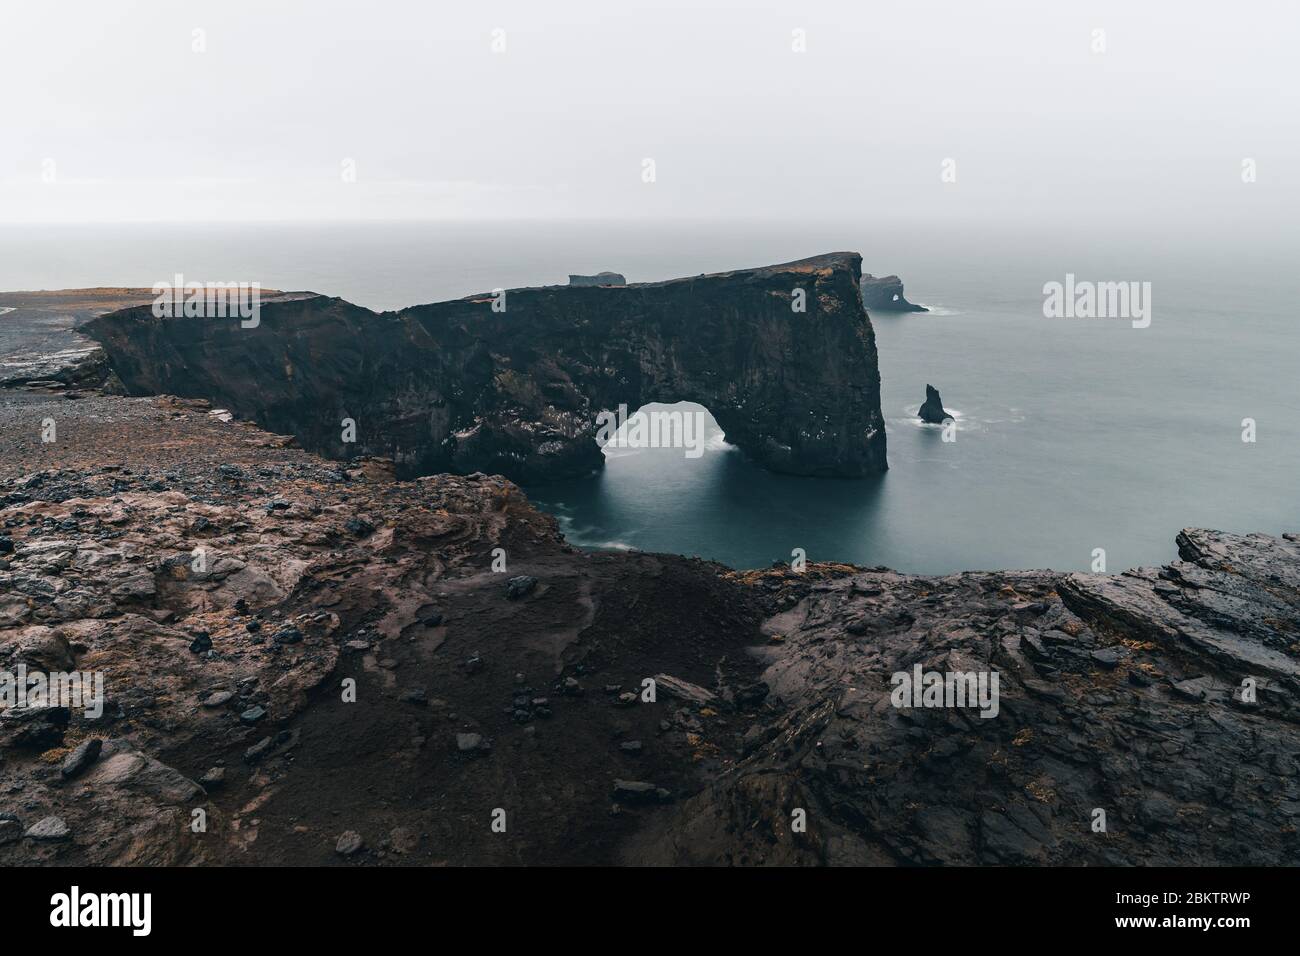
(102, 565)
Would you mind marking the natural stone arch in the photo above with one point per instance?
(512, 382)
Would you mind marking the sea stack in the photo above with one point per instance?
(885, 294)
(932, 410)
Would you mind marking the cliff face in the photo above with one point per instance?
(464, 387)
(40, 339)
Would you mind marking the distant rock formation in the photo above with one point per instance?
(600, 278)
(885, 294)
(932, 410)
(512, 383)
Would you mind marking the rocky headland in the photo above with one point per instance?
(326, 663)
(512, 382)
(41, 340)
(885, 294)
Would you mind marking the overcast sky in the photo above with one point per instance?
(115, 102)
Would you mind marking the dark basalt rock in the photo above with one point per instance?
(461, 387)
(600, 278)
(38, 727)
(885, 294)
(1165, 697)
(932, 410)
(1229, 600)
(520, 586)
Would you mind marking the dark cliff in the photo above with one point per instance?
(460, 387)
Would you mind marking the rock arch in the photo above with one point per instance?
(462, 386)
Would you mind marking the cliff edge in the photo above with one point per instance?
(230, 589)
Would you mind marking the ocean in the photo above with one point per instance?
(1072, 434)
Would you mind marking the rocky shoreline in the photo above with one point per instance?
(235, 590)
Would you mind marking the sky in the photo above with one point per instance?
(1058, 112)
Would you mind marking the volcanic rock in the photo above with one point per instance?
(348, 843)
(34, 727)
(635, 791)
(213, 778)
(259, 750)
(513, 383)
(469, 743)
(48, 828)
(932, 410)
(1165, 696)
(885, 294)
(520, 586)
(683, 690)
(600, 278)
(82, 756)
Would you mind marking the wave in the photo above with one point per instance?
(912, 413)
(911, 416)
(612, 451)
(591, 539)
(606, 545)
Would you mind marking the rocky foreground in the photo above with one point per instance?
(308, 661)
(348, 675)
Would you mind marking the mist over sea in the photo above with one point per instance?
(1073, 434)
